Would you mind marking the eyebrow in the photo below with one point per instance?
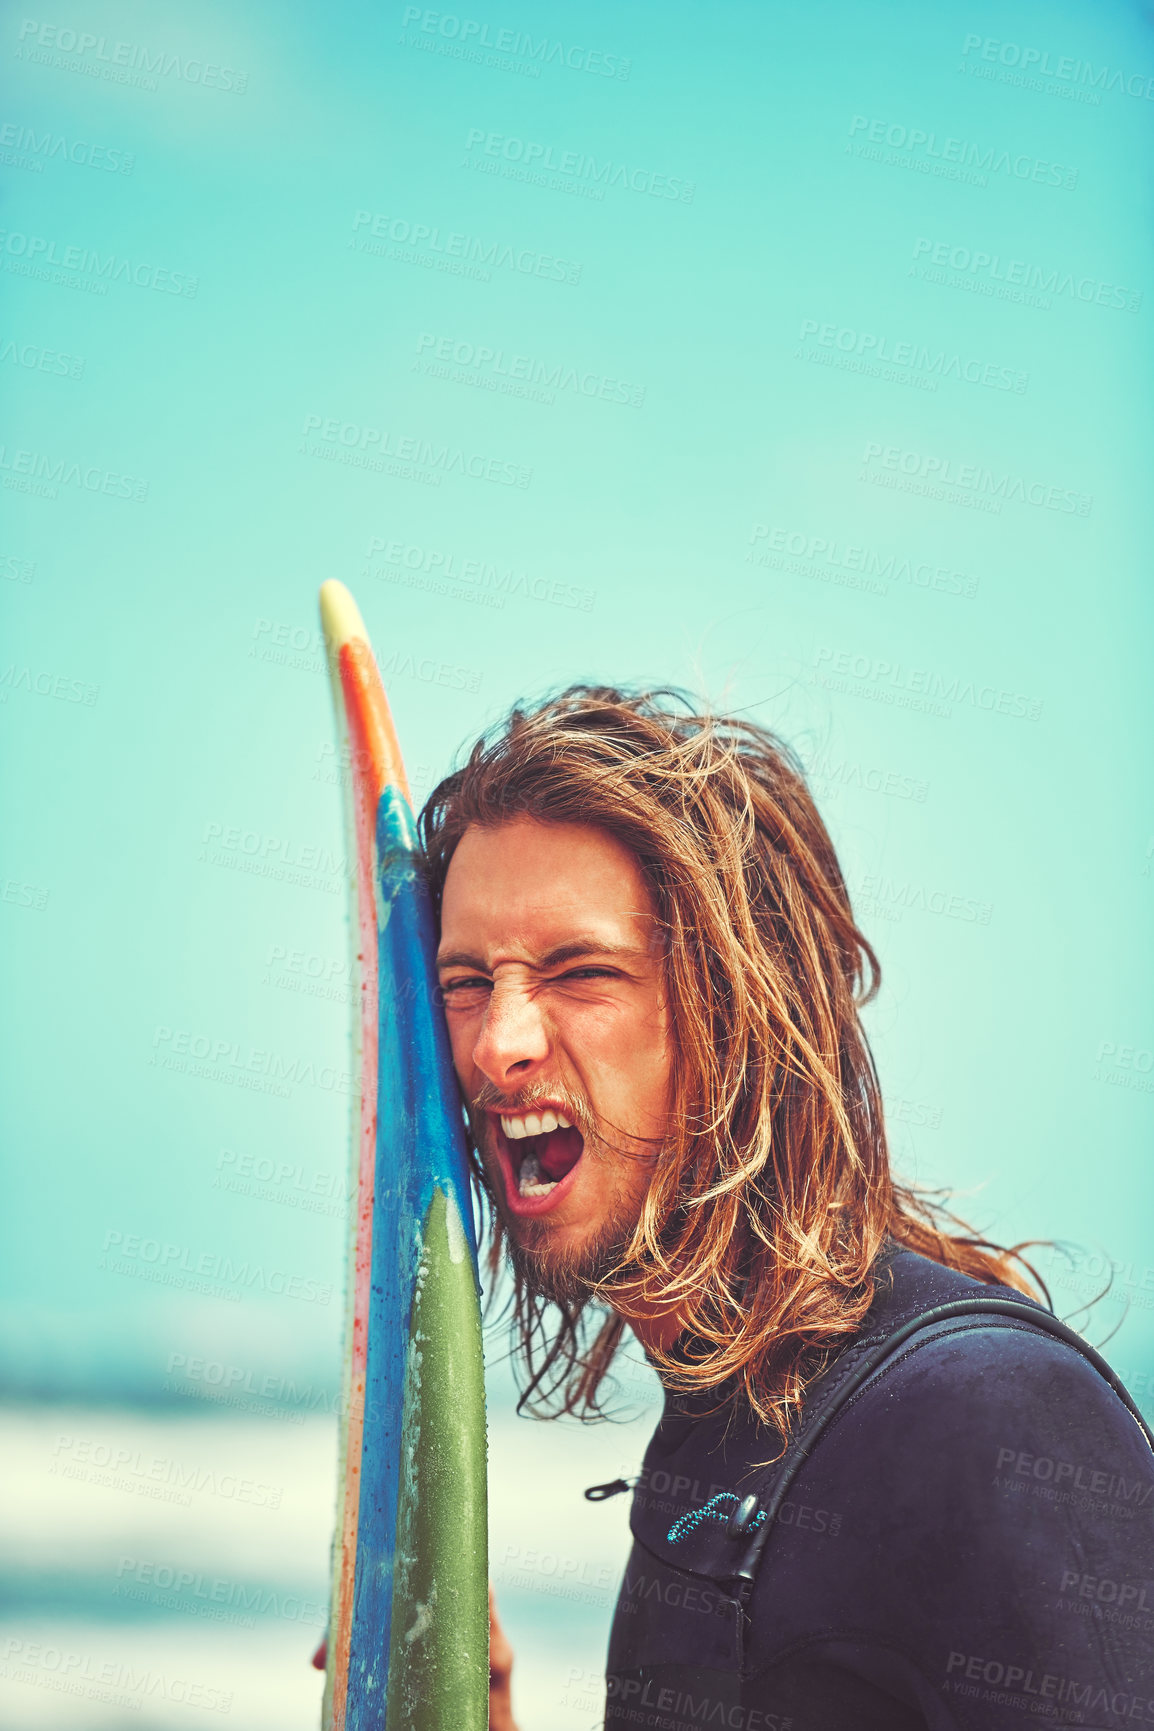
(553, 958)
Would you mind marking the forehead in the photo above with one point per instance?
(533, 885)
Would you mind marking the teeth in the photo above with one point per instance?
(530, 1182)
(534, 1124)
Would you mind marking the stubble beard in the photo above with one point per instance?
(569, 1274)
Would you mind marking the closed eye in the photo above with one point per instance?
(467, 983)
(463, 986)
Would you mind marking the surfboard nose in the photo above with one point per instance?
(361, 704)
(340, 616)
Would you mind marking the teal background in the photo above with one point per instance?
(172, 856)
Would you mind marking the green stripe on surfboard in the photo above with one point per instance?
(439, 1648)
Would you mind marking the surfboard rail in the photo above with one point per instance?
(408, 1634)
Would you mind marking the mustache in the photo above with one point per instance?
(576, 1108)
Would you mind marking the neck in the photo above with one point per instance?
(656, 1330)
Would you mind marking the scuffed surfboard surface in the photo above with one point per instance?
(408, 1636)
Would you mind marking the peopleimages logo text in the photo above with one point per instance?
(855, 557)
(518, 44)
(497, 367)
(938, 363)
(961, 153)
(214, 1266)
(1019, 273)
(39, 251)
(452, 249)
(50, 146)
(47, 472)
(369, 446)
(101, 57)
(1016, 1684)
(531, 154)
(920, 688)
(975, 478)
(1063, 66)
(113, 1682)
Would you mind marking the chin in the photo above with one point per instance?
(565, 1264)
(547, 1275)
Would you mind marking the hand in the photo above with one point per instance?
(500, 1672)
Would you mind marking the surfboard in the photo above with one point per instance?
(408, 1642)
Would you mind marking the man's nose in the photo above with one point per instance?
(513, 1039)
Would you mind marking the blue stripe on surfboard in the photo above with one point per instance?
(420, 1144)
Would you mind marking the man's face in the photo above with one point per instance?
(550, 964)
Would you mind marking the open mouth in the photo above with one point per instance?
(542, 1149)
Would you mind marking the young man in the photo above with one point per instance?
(849, 1516)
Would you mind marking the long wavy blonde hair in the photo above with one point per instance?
(772, 1197)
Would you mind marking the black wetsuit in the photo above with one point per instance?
(969, 1544)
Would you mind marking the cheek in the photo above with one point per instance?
(462, 1041)
(627, 1058)
(661, 1042)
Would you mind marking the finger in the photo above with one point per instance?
(500, 1650)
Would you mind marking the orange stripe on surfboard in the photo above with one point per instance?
(365, 703)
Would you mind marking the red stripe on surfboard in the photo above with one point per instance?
(375, 763)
